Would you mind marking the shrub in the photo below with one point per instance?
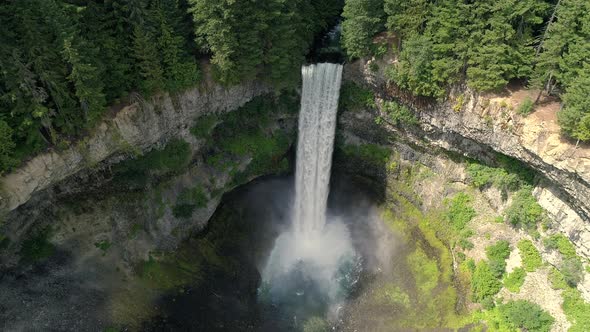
(531, 259)
(4, 242)
(557, 279)
(526, 316)
(195, 195)
(459, 211)
(173, 158)
(374, 154)
(576, 310)
(183, 210)
(482, 176)
(37, 247)
(484, 283)
(316, 324)
(204, 125)
(103, 245)
(511, 174)
(163, 274)
(524, 210)
(561, 243)
(7, 146)
(353, 96)
(572, 271)
(526, 107)
(399, 114)
(189, 200)
(424, 269)
(497, 254)
(514, 280)
(393, 295)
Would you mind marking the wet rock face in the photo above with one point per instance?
(479, 126)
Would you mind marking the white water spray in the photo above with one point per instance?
(316, 254)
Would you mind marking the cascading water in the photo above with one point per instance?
(313, 265)
(317, 127)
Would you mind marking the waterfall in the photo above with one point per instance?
(314, 261)
(317, 127)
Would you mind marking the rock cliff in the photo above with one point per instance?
(135, 128)
(479, 126)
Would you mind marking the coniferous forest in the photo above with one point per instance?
(63, 62)
(543, 43)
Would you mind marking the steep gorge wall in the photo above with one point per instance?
(134, 129)
(478, 126)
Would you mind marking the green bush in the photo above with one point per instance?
(399, 114)
(174, 157)
(4, 242)
(576, 310)
(316, 324)
(392, 294)
(526, 107)
(103, 245)
(244, 133)
(557, 279)
(482, 176)
(484, 284)
(195, 195)
(510, 175)
(497, 254)
(514, 280)
(7, 146)
(524, 210)
(168, 274)
(189, 200)
(183, 210)
(561, 243)
(459, 211)
(37, 247)
(572, 271)
(531, 259)
(353, 96)
(374, 154)
(424, 270)
(526, 316)
(204, 125)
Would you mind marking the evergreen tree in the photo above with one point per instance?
(87, 83)
(147, 60)
(407, 17)
(362, 20)
(574, 118)
(6, 147)
(179, 69)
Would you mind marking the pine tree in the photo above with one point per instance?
(363, 19)
(148, 64)
(87, 83)
(7, 146)
(179, 69)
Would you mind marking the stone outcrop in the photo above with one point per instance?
(478, 126)
(135, 128)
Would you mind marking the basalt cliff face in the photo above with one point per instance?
(476, 126)
(134, 129)
(480, 126)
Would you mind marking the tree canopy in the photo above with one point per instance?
(487, 44)
(63, 62)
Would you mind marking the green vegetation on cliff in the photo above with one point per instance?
(63, 62)
(487, 44)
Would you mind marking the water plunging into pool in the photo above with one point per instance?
(314, 261)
